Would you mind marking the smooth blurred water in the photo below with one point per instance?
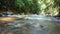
(35, 24)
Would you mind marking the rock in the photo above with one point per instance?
(23, 18)
(7, 19)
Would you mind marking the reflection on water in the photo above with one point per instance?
(34, 25)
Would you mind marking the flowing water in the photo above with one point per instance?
(35, 24)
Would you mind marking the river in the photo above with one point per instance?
(35, 24)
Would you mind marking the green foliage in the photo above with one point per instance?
(49, 6)
(31, 6)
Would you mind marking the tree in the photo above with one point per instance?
(31, 6)
(57, 4)
(27, 6)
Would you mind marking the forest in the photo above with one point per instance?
(31, 6)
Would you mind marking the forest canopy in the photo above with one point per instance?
(31, 6)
